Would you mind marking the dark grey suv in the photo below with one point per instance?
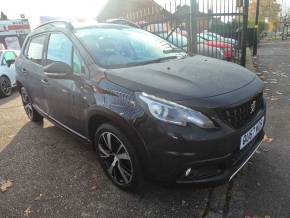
(150, 109)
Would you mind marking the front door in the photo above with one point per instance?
(59, 92)
(81, 93)
(67, 98)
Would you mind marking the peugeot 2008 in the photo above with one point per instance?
(148, 107)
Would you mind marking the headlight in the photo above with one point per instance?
(171, 112)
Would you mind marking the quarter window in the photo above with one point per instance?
(35, 49)
(77, 64)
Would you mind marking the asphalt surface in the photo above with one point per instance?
(54, 175)
(267, 190)
(264, 188)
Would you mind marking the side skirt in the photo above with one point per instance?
(63, 126)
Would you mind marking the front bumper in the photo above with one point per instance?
(223, 170)
(214, 156)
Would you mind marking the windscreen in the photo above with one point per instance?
(123, 47)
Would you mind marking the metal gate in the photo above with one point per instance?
(214, 28)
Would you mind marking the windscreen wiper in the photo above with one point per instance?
(158, 60)
(172, 50)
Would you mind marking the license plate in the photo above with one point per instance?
(252, 133)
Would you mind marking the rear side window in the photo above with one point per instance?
(35, 49)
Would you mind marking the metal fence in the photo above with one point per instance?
(214, 28)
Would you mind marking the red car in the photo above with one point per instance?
(228, 49)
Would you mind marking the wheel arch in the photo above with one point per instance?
(18, 85)
(6, 76)
(100, 116)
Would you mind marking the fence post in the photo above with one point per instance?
(193, 28)
(245, 32)
(255, 47)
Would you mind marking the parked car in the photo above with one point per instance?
(7, 72)
(216, 37)
(122, 21)
(202, 48)
(150, 109)
(219, 50)
(228, 49)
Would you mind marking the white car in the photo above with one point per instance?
(7, 71)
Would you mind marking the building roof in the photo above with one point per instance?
(118, 8)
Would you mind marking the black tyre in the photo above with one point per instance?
(5, 87)
(32, 114)
(118, 158)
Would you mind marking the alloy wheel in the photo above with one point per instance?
(116, 158)
(5, 86)
(26, 103)
(24, 96)
(29, 110)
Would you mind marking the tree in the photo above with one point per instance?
(3, 16)
(269, 13)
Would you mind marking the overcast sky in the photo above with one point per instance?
(87, 9)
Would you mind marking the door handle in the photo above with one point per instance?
(23, 70)
(44, 81)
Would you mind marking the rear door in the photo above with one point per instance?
(32, 71)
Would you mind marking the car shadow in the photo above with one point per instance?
(48, 164)
(4, 100)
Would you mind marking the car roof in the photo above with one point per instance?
(77, 25)
(101, 25)
(73, 26)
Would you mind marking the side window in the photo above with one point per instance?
(78, 68)
(59, 49)
(9, 55)
(35, 49)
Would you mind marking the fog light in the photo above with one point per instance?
(187, 172)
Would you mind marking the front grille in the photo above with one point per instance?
(238, 116)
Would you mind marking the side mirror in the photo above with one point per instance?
(58, 70)
(10, 62)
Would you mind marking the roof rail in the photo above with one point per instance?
(67, 24)
(123, 21)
